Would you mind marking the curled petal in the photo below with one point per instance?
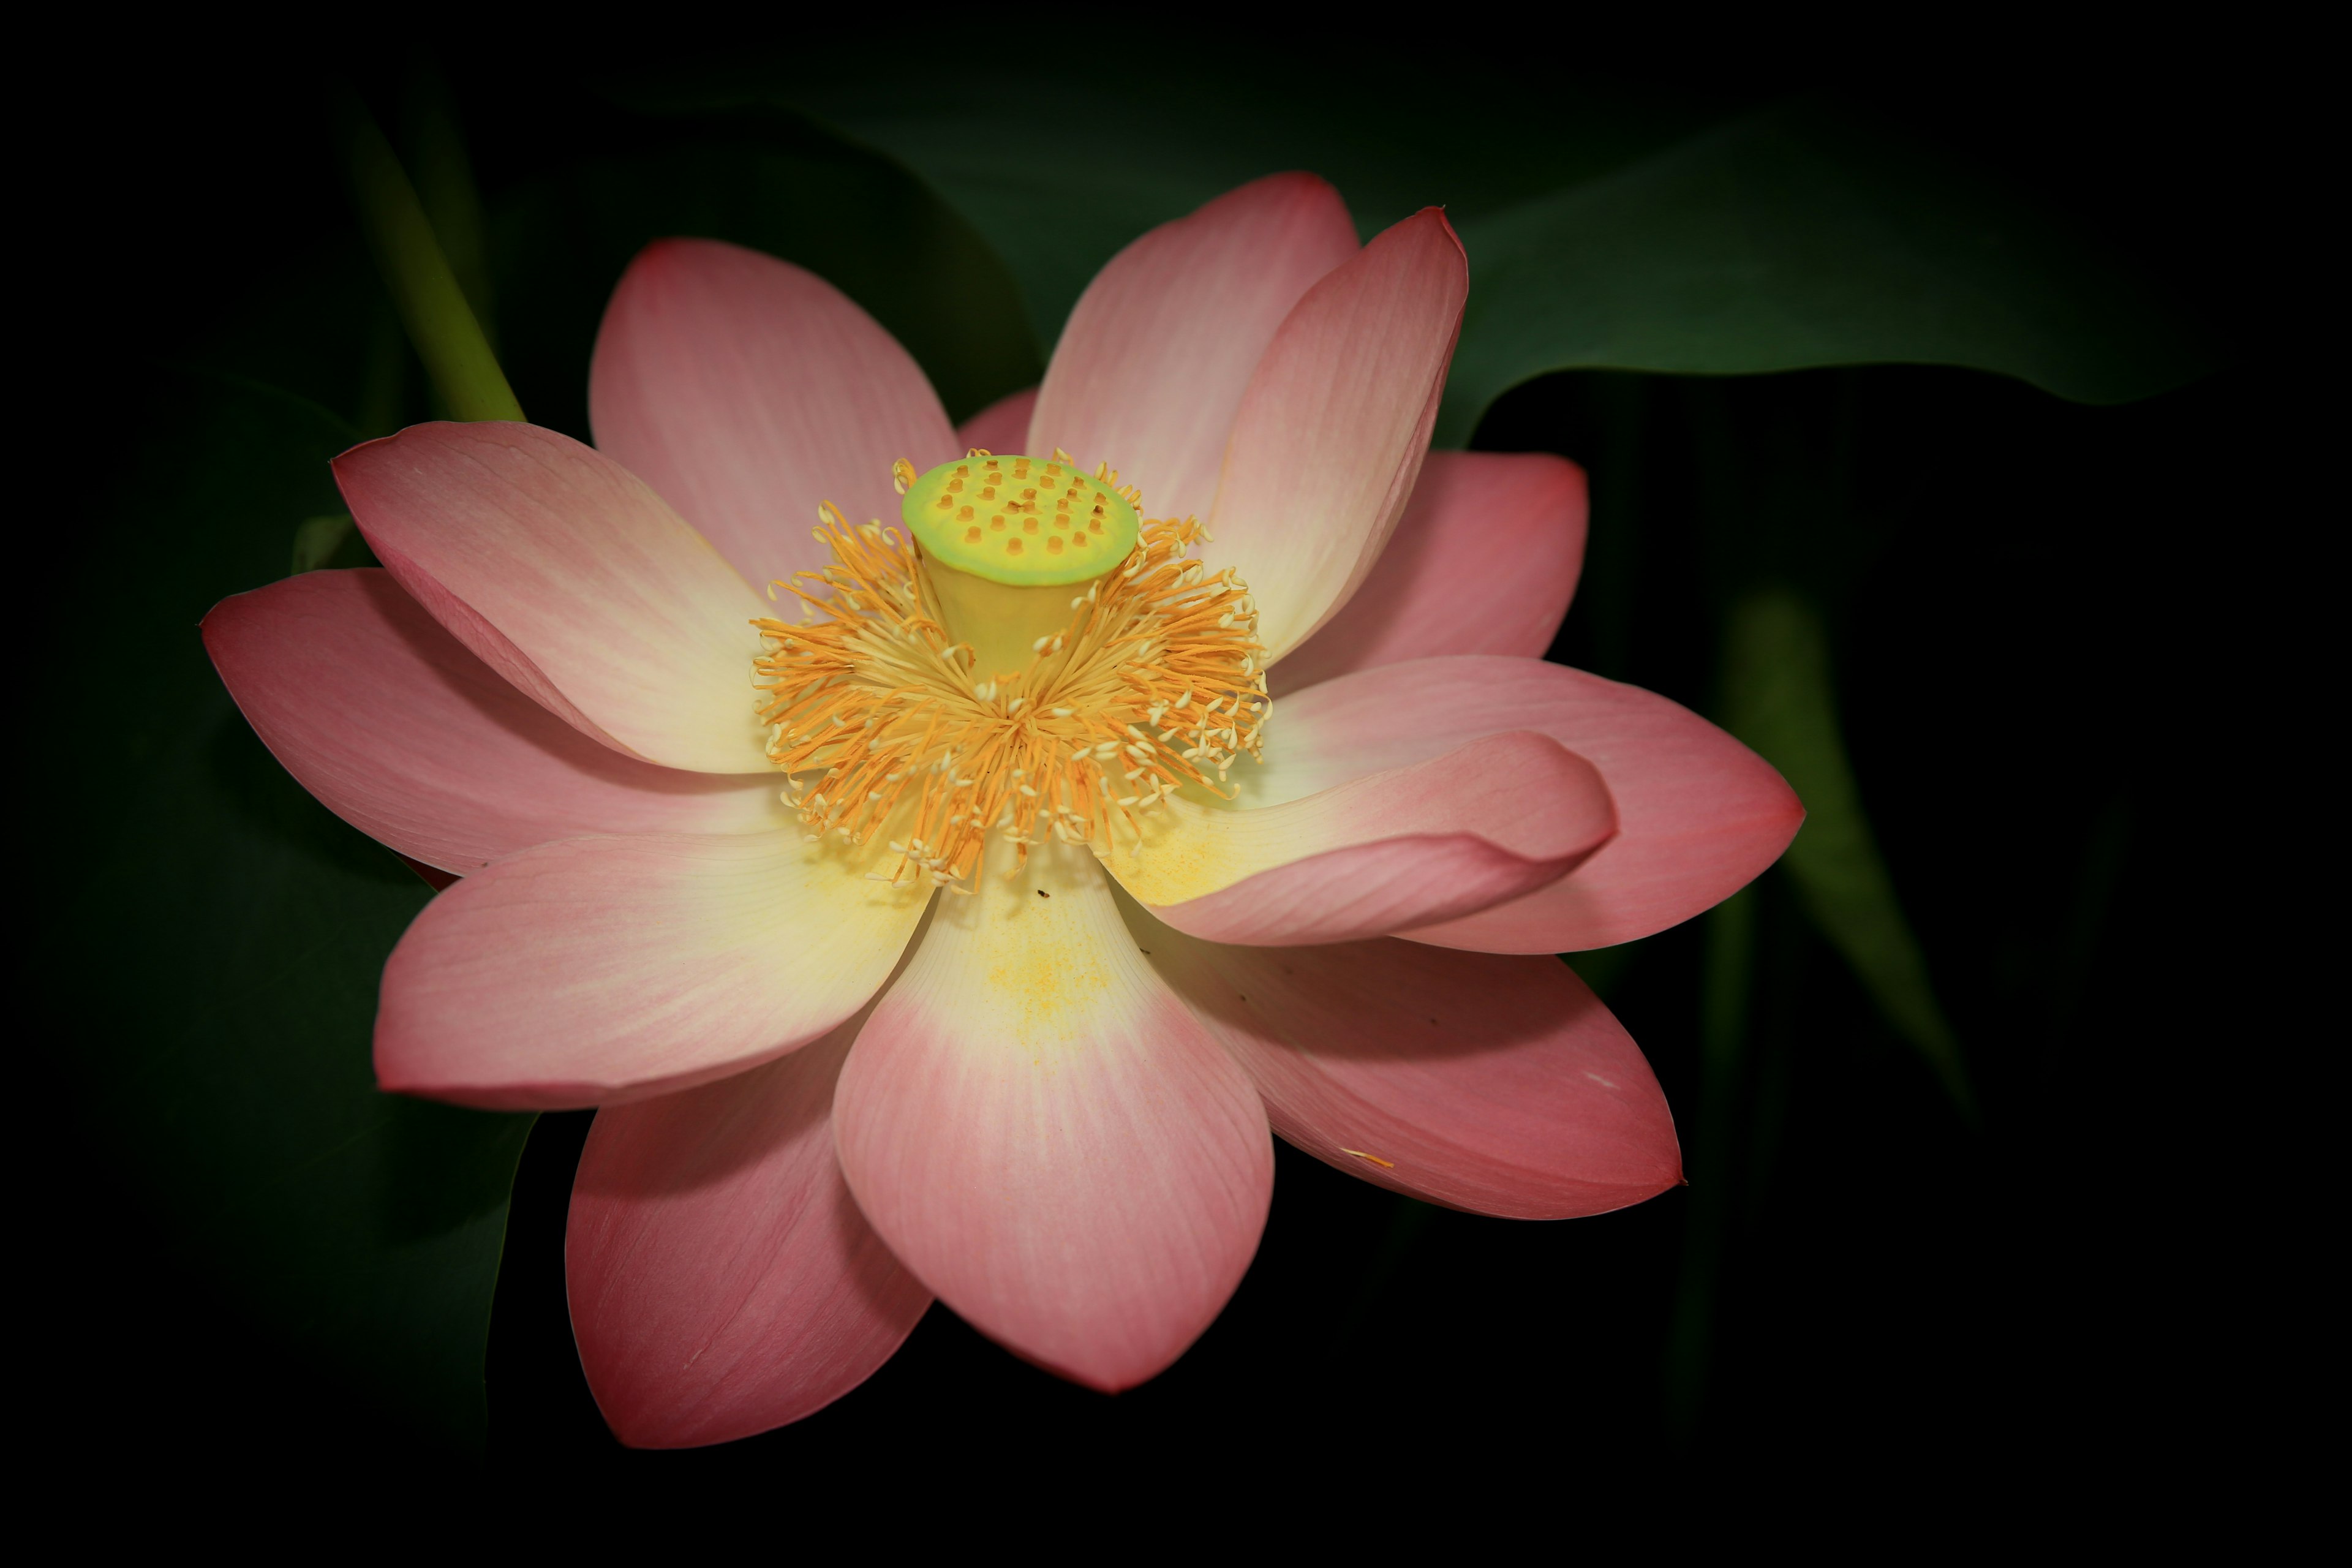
(746, 390)
(1483, 1081)
(1001, 426)
(563, 573)
(1151, 368)
(598, 971)
(1698, 814)
(1331, 432)
(1048, 1137)
(1500, 817)
(409, 737)
(722, 1279)
(1485, 561)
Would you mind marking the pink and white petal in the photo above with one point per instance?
(1699, 815)
(722, 1281)
(1048, 1137)
(427, 750)
(1496, 818)
(1001, 426)
(599, 970)
(1483, 1081)
(1151, 368)
(745, 390)
(1330, 435)
(563, 573)
(1485, 561)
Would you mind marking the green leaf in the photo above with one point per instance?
(1792, 239)
(216, 939)
(317, 538)
(771, 181)
(1058, 189)
(1778, 697)
(1607, 234)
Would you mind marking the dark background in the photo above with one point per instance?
(2057, 633)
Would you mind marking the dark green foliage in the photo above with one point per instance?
(212, 956)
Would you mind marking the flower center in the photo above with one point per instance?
(1032, 658)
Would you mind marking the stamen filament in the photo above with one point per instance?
(1112, 714)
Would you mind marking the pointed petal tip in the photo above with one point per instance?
(1077, 1169)
(454, 767)
(1433, 216)
(1330, 434)
(1495, 1085)
(1154, 363)
(1699, 814)
(744, 389)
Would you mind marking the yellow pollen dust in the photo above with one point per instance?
(1155, 684)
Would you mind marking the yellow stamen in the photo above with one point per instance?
(1115, 709)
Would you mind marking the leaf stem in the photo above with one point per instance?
(417, 274)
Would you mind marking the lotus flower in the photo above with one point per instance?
(905, 955)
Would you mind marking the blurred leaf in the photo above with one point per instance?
(1603, 968)
(1778, 697)
(434, 151)
(1056, 193)
(1603, 233)
(769, 180)
(317, 538)
(1792, 239)
(216, 938)
(441, 323)
(1726, 986)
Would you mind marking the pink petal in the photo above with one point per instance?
(1151, 368)
(722, 1281)
(571, 579)
(1485, 561)
(1407, 846)
(745, 391)
(1001, 426)
(1331, 432)
(429, 751)
(1487, 1082)
(1047, 1136)
(1698, 814)
(596, 971)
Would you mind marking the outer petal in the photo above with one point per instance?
(1047, 1136)
(722, 1281)
(1485, 561)
(428, 750)
(1001, 426)
(1331, 432)
(1503, 815)
(573, 580)
(746, 391)
(1486, 1082)
(1151, 370)
(596, 971)
(1698, 814)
